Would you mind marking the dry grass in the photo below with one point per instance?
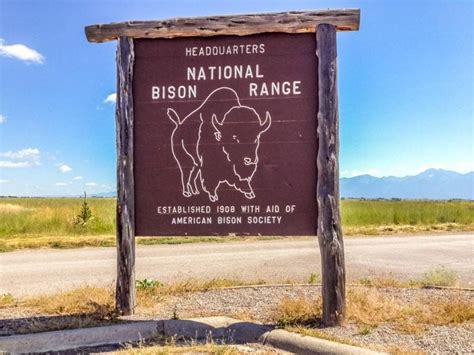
(83, 307)
(79, 241)
(186, 349)
(148, 297)
(437, 276)
(11, 208)
(56, 242)
(197, 285)
(179, 345)
(86, 300)
(406, 229)
(369, 307)
(6, 300)
(299, 311)
(100, 301)
(313, 332)
(91, 306)
(390, 349)
(381, 281)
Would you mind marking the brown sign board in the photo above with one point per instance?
(225, 135)
(229, 125)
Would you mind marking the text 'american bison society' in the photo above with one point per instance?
(271, 214)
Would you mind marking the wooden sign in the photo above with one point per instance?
(228, 125)
(225, 135)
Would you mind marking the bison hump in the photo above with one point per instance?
(224, 94)
(218, 103)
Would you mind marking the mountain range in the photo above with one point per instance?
(430, 184)
(433, 184)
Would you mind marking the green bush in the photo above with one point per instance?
(440, 276)
(86, 214)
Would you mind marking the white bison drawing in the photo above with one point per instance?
(218, 143)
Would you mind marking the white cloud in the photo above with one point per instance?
(3, 181)
(21, 52)
(64, 168)
(111, 99)
(15, 164)
(24, 158)
(28, 153)
(60, 184)
(91, 184)
(3, 119)
(77, 178)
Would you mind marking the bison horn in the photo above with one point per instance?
(267, 123)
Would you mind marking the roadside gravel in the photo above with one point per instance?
(259, 304)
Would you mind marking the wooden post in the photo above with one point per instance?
(329, 222)
(125, 287)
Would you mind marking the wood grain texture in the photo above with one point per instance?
(239, 25)
(125, 287)
(329, 222)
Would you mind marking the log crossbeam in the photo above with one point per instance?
(237, 25)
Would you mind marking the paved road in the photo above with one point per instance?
(41, 271)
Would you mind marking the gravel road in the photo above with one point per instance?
(31, 272)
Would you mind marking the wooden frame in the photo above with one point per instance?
(325, 24)
(125, 286)
(238, 25)
(327, 190)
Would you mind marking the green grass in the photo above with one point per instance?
(406, 216)
(406, 212)
(49, 222)
(54, 216)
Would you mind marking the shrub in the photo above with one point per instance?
(440, 276)
(313, 278)
(86, 214)
(146, 284)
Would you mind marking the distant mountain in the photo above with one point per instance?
(431, 184)
(105, 194)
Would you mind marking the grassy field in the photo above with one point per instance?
(406, 216)
(50, 222)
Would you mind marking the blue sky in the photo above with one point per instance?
(405, 85)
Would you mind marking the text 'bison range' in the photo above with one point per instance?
(218, 143)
